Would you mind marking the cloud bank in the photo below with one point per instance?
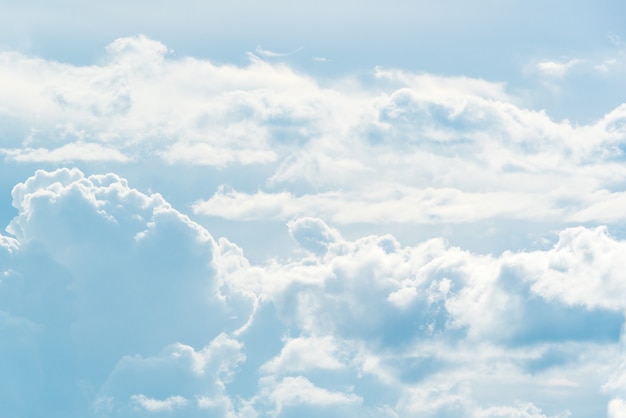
(456, 148)
(118, 298)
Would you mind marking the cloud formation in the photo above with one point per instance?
(117, 302)
(360, 325)
(457, 148)
(556, 68)
(135, 274)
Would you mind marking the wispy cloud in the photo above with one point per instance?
(272, 54)
(557, 68)
(156, 405)
(72, 152)
(415, 322)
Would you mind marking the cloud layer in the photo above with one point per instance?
(371, 199)
(394, 147)
(145, 312)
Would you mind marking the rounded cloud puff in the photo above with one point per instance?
(312, 234)
(135, 274)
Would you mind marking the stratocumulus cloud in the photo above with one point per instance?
(370, 312)
(514, 162)
(127, 288)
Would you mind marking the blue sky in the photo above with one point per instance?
(385, 209)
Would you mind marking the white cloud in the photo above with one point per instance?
(121, 105)
(459, 149)
(272, 54)
(366, 322)
(137, 50)
(352, 324)
(522, 411)
(453, 295)
(123, 273)
(573, 76)
(403, 297)
(605, 66)
(200, 153)
(10, 245)
(429, 86)
(70, 152)
(382, 205)
(313, 234)
(221, 350)
(156, 405)
(299, 390)
(617, 408)
(305, 354)
(557, 68)
(601, 206)
(450, 398)
(181, 373)
(583, 268)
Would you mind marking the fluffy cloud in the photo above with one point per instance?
(459, 149)
(348, 327)
(617, 408)
(108, 272)
(556, 68)
(300, 391)
(583, 268)
(312, 234)
(178, 378)
(303, 354)
(523, 411)
(411, 319)
(141, 311)
(115, 106)
(155, 405)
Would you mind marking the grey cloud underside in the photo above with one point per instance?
(113, 303)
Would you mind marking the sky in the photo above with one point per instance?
(303, 209)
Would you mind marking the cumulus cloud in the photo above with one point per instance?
(186, 378)
(66, 153)
(299, 390)
(386, 144)
(119, 106)
(383, 205)
(368, 326)
(523, 411)
(141, 311)
(312, 234)
(557, 68)
(155, 405)
(304, 354)
(8, 244)
(583, 268)
(617, 408)
(445, 296)
(130, 273)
